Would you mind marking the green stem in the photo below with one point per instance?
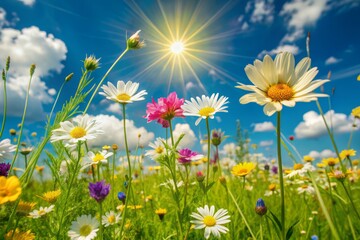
(53, 107)
(113, 180)
(98, 171)
(100, 221)
(208, 154)
(101, 81)
(241, 213)
(26, 162)
(351, 134)
(5, 109)
(351, 200)
(281, 177)
(261, 232)
(16, 224)
(22, 124)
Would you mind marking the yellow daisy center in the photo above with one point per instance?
(280, 92)
(42, 212)
(123, 97)
(98, 157)
(77, 132)
(111, 219)
(272, 187)
(209, 221)
(85, 230)
(206, 111)
(298, 166)
(159, 149)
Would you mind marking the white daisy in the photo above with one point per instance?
(96, 158)
(41, 212)
(124, 92)
(84, 228)
(157, 150)
(211, 221)
(279, 82)
(307, 189)
(205, 107)
(110, 218)
(6, 148)
(301, 170)
(81, 128)
(171, 184)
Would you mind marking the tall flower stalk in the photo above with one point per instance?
(4, 78)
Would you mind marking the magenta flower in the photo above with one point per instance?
(99, 190)
(165, 109)
(4, 169)
(186, 156)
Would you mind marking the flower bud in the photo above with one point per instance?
(134, 41)
(32, 69)
(122, 197)
(260, 207)
(222, 180)
(200, 176)
(91, 63)
(115, 147)
(68, 77)
(7, 66)
(3, 75)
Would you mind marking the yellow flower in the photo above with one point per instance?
(347, 153)
(161, 213)
(272, 187)
(356, 112)
(243, 169)
(308, 158)
(330, 161)
(321, 165)
(106, 147)
(355, 162)
(51, 196)
(39, 168)
(28, 235)
(298, 166)
(339, 175)
(24, 208)
(10, 189)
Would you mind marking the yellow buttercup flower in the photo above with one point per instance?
(242, 169)
(347, 153)
(10, 189)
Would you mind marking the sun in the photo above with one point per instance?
(177, 47)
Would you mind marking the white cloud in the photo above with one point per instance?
(52, 91)
(282, 48)
(27, 2)
(314, 127)
(266, 143)
(323, 154)
(25, 47)
(263, 127)
(2, 17)
(189, 139)
(244, 26)
(293, 36)
(190, 85)
(114, 133)
(263, 12)
(114, 108)
(332, 60)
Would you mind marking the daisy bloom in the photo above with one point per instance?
(96, 158)
(81, 128)
(41, 212)
(279, 82)
(308, 158)
(301, 170)
(10, 189)
(347, 153)
(339, 175)
(307, 189)
(157, 150)
(5, 149)
(123, 93)
(84, 228)
(186, 156)
(205, 107)
(110, 218)
(24, 208)
(17, 235)
(211, 221)
(242, 169)
(356, 112)
(170, 183)
(165, 109)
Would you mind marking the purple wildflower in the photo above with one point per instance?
(186, 156)
(4, 169)
(274, 169)
(99, 190)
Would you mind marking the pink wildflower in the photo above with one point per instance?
(186, 156)
(165, 109)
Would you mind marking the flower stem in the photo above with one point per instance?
(208, 153)
(113, 179)
(53, 107)
(5, 109)
(103, 78)
(281, 177)
(100, 221)
(351, 200)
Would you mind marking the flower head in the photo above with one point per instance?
(339, 175)
(17, 235)
(41, 212)
(96, 158)
(4, 169)
(161, 213)
(211, 221)
(186, 156)
(123, 92)
(242, 169)
(84, 228)
(10, 189)
(81, 128)
(279, 82)
(158, 149)
(90, 63)
(306, 189)
(26, 150)
(260, 207)
(217, 136)
(356, 112)
(134, 41)
(6, 148)
(99, 190)
(308, 158)
(205, 107)
(331, 161)
(347, 153)
(24, 208)
(51, 196)
(110, 218)
(122, 197)
(165, 109)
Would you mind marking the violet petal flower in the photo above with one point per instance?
(99, 190)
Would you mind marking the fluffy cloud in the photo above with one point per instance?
(27, 2)
(266, 143)
(282, 48)
(25, 47)
(314, 127)
(332, 60)
(2, 17)
(189, 139)
(263, 12)
(114, 133)
(263, 127)
(323, 154)
(114, 108)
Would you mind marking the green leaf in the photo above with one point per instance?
(276, 227)
(291, 229)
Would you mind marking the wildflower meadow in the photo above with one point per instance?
(63, 186)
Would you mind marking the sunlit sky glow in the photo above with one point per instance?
(193, 48)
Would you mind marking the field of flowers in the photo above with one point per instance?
(104, 193)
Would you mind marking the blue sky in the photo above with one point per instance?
(225, 37)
